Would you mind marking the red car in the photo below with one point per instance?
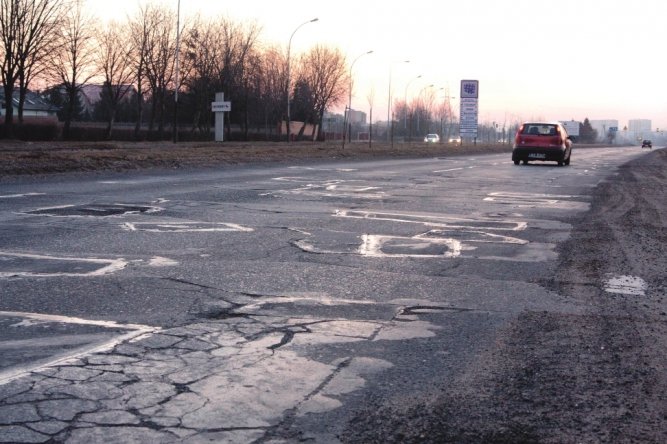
(543, 141)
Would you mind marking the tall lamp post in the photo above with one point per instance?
(178, 68)
(289, 47)
(348, 130)
(390, 134)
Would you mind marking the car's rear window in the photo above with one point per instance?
(539, 129)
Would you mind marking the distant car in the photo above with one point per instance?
(454, 139)
(647, 144)
(432, 138)
(543, 141)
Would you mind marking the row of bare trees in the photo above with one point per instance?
(55, 43)
(425, 113)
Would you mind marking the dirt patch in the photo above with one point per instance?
(21, 158)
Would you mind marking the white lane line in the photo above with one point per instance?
(136, 331)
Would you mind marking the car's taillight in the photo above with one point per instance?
(559, 137)
(518, 135)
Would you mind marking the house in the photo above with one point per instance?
(91, 95)
(35, 108)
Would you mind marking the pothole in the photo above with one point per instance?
(95, 210)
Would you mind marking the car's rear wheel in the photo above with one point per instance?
(516, 162)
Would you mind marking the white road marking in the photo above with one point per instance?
(631, 285)
(158, 261)
(446, 171)
(14, 196)
(477, 236)
(136, 331)
(184, 227)
(537, 199)
(435, 221)
(372, 246)
(43, 211)
(331, 188)
(107, 266)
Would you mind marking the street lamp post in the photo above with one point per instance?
(348, 130)
(390, 135)
(289, 47)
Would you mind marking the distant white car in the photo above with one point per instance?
(454, 139)
(432, 138)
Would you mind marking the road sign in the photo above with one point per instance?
(469, 108)
(221, 107)
(469, 89)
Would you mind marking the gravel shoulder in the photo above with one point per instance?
(561, 378)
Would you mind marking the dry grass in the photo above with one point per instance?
(21, 158)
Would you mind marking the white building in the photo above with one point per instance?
(639, 125)
(606, 129)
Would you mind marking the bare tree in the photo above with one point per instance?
(140, 28)
(114, 62)
(203, 53)
(324, 70)
(160, 52)
(225, 58)
(74, 64)
(26, 34)
(443, 112)
(273, 84)
(238, 43)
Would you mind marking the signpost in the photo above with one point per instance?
(220, 107)
(469, 110)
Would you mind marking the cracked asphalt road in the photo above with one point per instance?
(425, 300)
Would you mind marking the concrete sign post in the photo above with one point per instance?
(220, 107)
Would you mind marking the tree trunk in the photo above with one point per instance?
(72, 93)
(110, 122)
(22, 94)
(9, 111)
(140, 114)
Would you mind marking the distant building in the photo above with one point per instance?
(639, 125)
(638, 129)
(606, 129)
(91, 94)
(357, 117)
(35, 108)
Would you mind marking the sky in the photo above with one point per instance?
(534, 59)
